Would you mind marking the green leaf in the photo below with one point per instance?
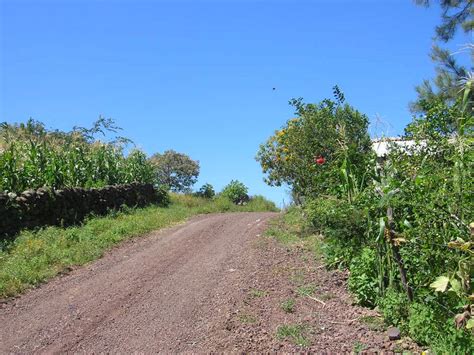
(381, 228)
(470, 324)
(407, 223)
(440, 284)
(456, 286)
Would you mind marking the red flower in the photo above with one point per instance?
(319, 160)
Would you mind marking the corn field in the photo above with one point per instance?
(33, 157)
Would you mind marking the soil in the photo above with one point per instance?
(213, 284)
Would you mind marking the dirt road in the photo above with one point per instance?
(156, 293)
(213, 284)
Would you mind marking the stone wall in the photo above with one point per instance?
(42, 207)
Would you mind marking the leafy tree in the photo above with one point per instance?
(449, 73)
(455, 13)
(236, 191)
(206, 191)
(325, 143)
(175, 170)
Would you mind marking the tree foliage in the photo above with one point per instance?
(401, 224)
(313, 151)
(455, 13)
(206, 191)
(236, 192)
(450, 75)
(175, 170)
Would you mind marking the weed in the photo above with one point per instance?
(306, 290)
(398, 348)
(373, 322)
(255, 293)
(288, 305)
(358, 347)
(247, 318)
(291, 231)
(296, 333)
(298, 276)
(326, 296)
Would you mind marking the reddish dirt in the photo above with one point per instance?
(212, 284)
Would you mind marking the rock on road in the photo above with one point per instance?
(156, 293)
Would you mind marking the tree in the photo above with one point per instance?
(206, 191)
(175, 170)
(450, 75)
(455, 13)
(312, 151)
(236, 191)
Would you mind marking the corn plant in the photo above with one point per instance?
(32, 157)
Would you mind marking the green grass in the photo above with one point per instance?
(255, 293)
(296, 333)
(326, 296)
(290, 230)
(35, 256)
(306, 290)
(298, 276)
(247, 318)
(373, 322)
(288, 305)
(358, 347)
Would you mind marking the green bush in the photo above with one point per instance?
(422, 323)
(343, 226)
(363, 279)
(236, 192)
(402, 223)
(325, 144)
(206, 191)
(163, 196)
(394, 307)
(429, 325)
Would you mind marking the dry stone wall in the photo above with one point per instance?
(42, 207)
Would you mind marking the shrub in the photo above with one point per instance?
(236, 192)
(363, 279)
(343, 226)
(224, 204)
(428, 325)
(394, 308)
(162, 196)
(402, 222)
(206, 191)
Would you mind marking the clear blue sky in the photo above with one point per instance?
(197, 76)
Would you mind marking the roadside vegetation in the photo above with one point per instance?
(35, 256)
(402, 223)
(32, 157)
(399, 224)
